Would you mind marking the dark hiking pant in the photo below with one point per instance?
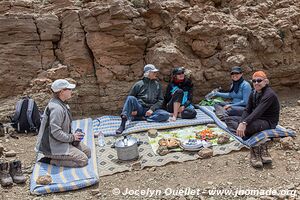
(187, 113)
(256, 126)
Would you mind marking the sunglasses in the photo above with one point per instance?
(235, 73)
(179, 73)
(257, 80)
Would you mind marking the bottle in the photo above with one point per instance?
(101, 139)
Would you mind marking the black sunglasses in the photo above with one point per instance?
(235, 73)
(257, 80)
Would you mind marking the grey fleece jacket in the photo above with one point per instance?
(149, 93)
(55, 134)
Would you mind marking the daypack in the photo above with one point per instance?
(27, 117)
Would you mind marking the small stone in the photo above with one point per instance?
(223, 139)
(290, 187)
(211, 125)
(152, 169)
(210, 183)
(205, 153)
(95, 192)
(266, 198)
(10, 153)
(152, 133)
(298, 102)
(1, 149)
(281, 197)
(136, 166)
(287, 143)
(229, 183)
(44, 180)
(276, 139)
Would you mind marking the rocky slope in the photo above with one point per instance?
(102, 45)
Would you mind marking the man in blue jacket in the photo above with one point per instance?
(238, 93)
(145, 100)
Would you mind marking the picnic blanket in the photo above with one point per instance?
(256, 139)
(108, 162)
(65, 178)
(109, 124)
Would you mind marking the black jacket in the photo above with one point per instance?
(264, 106)
(149, 93)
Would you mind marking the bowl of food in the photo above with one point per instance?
(191, 145)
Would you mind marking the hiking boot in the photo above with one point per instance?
(255, 157)
(265, 156)
(15, 170)
(122, 126)
(5, 178)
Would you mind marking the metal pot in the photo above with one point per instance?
(127, 148)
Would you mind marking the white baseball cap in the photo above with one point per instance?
(61, 84)
(150, 68)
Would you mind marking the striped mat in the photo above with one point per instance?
(109, 124)
(65, 178)
(256, 139)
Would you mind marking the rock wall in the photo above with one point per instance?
(103, 45)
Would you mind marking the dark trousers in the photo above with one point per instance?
(256, 126)
(187, 113)
(132, 104)
(233, 110)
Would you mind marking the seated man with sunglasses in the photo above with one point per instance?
(261, 113)
(238, 93)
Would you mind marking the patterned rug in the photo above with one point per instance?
(108, 163)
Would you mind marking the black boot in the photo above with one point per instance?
(122, 126)
(5, 178)
(15, 171)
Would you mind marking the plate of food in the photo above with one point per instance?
(191, 145)
(206, 134)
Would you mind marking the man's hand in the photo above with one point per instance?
(240, 131)
(226, 107)
(78, 136)
(134, 113)
(149, 112)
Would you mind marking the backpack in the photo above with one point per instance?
(27, 117)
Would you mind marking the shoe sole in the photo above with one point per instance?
(267, 162)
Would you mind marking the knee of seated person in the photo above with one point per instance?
(130, 98)
(179, 91)
(82, 161)
(188, 114)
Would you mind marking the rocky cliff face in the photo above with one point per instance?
(103, 45)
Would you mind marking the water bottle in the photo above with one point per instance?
(101, 139)
(212, 94)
